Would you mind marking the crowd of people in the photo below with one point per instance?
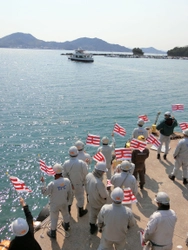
(72, 179)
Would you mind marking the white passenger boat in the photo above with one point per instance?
(81, 56)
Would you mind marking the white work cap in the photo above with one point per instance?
(101, 166)
(126, 165)
(79, 145)
(167, 113)
(117, 194)
(185, 132)
(58, 168)
(105, 140)
(140, 122)
(20, 227)
(162, 198)
(73, 151)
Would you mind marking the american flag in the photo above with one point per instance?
(129, 197)
(44, 168)
(183, 125)
(93, 140)
(144, 118)
(99, 157)
(123, 153)
(19, 185)
(153, 140)
(136, 144)
(177, 107)
(109, 184)
(119, 130)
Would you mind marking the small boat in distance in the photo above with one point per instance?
(81, 56)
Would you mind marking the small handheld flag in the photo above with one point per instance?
(19, 185)
(153, 140)
(129, 197)
(136, 144)
(183, 125)
(93, 140)
(44, 168)
(123, 153)
(119, 130)
(177, 107)
(144, 118)
(109, 184)
(99, 157)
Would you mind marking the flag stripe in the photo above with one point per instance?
(153, 140)
(183, 125)
(136, 144)
(119, 130)
(44, 168)
(129, 197)
(93, 140)
(99, 157)
(19, 185)
(177, 107)
(123, 153)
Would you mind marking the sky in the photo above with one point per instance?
(162, 24)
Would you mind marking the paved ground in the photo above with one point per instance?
(156, 180)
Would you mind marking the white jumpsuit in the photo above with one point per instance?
(139, 131)
(115, 219)
(181, 154)
(107, 151)
(60, 193)
(76, 170)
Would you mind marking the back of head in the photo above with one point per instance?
(140, 122)
(101, 166)
(126, 166)
(79, 145)
(185, 132)
(58, 168)
(117, 195)
(73, 151)
(162, 198)
(20, 227)
(141, 138)
(105, 140)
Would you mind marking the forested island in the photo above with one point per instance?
(178, 51)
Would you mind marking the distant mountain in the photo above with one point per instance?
(152, 50)
(27, 41)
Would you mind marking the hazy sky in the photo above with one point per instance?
(162, 24)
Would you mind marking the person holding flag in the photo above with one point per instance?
(108, 151)
(82, 155)
(166, 128)
(140, 130)
(114, 220)
(24, 231)
(125, 179)
(60, 193)
(138, 158)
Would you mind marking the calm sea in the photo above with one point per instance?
(48, 102)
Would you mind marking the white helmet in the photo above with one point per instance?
(101, 166)
(58, 168)
(185, 132)
(167, 113)
(79, 145)
(73, 151)
(162, 198)
(140, 122)
(105, 140)
(126, 166)
(19, 227)
(117, 194)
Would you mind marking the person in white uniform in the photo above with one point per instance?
(181, 158)
(125, 179)
(140, 130)
(82, 155)
(76, 170)
(60, 194)
(108, 151)
(97, 193)
(113, 221)
(160, 228)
